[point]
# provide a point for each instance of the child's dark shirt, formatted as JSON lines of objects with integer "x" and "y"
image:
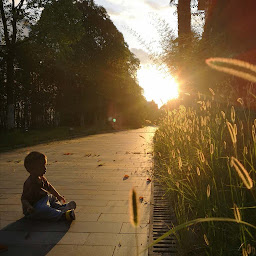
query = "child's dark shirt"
{"x": 34, "y": 189}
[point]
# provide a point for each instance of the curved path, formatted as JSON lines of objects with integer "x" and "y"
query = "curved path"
{"x": 89, "y": 170}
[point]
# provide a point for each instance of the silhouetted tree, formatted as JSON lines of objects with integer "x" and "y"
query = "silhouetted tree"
{"x": 14, "y": 19}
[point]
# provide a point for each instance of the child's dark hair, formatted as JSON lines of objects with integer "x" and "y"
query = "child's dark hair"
{"x": 32, "y": 158}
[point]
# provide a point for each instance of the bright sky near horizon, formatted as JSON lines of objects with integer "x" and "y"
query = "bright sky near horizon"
{"x": 140, "y": 17}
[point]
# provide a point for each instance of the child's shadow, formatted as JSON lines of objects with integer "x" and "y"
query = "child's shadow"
{"x": 32, "y": 237}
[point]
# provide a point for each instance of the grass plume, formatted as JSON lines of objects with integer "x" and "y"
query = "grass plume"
{"x": 134, "y": 209}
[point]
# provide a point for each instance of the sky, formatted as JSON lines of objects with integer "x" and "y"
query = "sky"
{"x": 139, "y": 16}
{"x": 137, "y": 20}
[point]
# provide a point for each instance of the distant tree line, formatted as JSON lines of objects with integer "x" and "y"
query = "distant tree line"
{"x": 72, "y": 68}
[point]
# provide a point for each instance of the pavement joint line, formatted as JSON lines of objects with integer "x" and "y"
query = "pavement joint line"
{"x": 121, "y": 228}
{"x": 99, "y": 216}
{"x": 114, "y": 251}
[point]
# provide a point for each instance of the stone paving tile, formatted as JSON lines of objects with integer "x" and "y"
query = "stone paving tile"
{"x": 10, "y": 191}
{"x": 92, "y": 202}
{"x": 97, "y": 227}
{"x": 10, "y": 202}
{"x": 100, "y": 209}
{"x": 39, "y": 238}
{"x": 144, "y": 209}
{"x": 101, "y": 192}
{"x": 126, "y": 187}
{"x": 36, "y": 226}
{"x": 10, "y": 208}
{"x": 119, "y": 183}
{"x": 25, "y": 250}
{"x": 74, "y": 238}
{"x": 73, "y": 250}
{"x": 127, "y": 228}
{"x": 123, "y": 203}
{"x": 12, "y": 216}
{"x": 111, "y": 217}
{"x": 10, "y": 196}
{"x": 4, "y": 223}
{"x": 28, "y": 238}
{"x": 112, "y": 197}
{"x": 117, "y": 239}
{"x": 87, "y": 216}
{"x": 114, "y": 217}
{"x": 130, "y": 251}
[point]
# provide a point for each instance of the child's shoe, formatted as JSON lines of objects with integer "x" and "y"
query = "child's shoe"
{"x": 70, "y": 215}
{"x": 69, "y": 206}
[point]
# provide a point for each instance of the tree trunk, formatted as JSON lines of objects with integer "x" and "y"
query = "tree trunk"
{"x": 184, "y": 41}
{"x": 184, "y": 23}
{"x": 10, "y": 90}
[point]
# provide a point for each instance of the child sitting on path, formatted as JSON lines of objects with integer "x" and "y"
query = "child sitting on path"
{"x": 40, "y": 200}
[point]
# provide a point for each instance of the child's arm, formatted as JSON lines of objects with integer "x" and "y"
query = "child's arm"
{"x": 53, "y": 191}
{"x": 27, "y": 205}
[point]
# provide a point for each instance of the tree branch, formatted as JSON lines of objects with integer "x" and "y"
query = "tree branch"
{"x": 6, "y": 34}
{"x": 19, "y": 5}
{"x": 14, "y": 22}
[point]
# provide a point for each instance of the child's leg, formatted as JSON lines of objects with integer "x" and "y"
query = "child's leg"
{"x": 55, "y": 203}
{"x": 44, "y": 211}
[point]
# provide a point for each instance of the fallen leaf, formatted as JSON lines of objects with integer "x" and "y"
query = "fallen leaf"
{"x": 67, "y": 154}
{"x": 100, "y": 165}
{"x": 125, "y": 177}
{"x": 3, "y": 248}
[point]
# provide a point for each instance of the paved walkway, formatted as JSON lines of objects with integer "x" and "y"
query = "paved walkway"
{"x": 90, "y": 171}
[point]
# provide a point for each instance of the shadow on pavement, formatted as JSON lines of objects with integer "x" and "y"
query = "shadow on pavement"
{"x": 32, "y": 237}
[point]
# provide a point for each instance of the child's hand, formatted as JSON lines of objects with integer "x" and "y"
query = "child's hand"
{"x": 61, "y": 199}
{"x": 30, "y": 209}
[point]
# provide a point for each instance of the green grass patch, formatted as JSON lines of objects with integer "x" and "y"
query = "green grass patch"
{"x": 21, "y": 138}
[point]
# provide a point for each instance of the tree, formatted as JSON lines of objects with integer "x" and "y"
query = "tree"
{"x": 184, "y": 24}
{"x": 74, "y": 64}
{"x": 14, "y": 17}
{"x": 229, "y": 32}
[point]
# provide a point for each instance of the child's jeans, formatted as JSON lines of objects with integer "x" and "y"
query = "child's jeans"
{"x": 47, "y": 208}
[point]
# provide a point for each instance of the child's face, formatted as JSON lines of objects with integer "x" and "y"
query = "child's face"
{"x": 39, "y": 168}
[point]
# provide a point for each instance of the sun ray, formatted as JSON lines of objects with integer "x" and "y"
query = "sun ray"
{"x": 158, "y": 85}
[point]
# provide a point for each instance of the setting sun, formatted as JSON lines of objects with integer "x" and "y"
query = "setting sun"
{"x": 158, "y": 85}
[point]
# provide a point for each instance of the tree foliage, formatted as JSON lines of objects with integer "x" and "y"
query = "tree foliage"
{"x": 73, "y": 65}
{"x": 228, "y": 31}
{"x": 15, "y": 18}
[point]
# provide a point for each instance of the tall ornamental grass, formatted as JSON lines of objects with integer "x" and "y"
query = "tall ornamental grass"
{"x": 205, "y": 157}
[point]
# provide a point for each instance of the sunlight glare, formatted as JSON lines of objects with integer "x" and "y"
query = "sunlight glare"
{"x": 158, "y": 85}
